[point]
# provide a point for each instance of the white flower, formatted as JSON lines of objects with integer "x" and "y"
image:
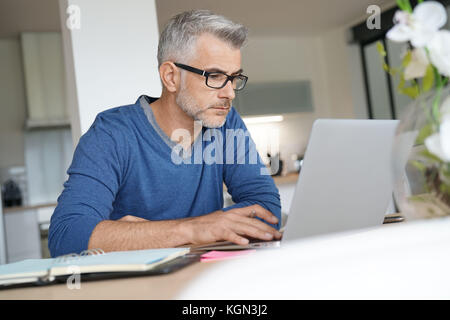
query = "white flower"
{"x": 420, "y": 26}
{"x": 439, "y": 48}
{"x": 439, "y": 143}
{"x": 417, "y": 67}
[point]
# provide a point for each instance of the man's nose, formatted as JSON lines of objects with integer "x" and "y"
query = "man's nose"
{"x": 227, "y": 91}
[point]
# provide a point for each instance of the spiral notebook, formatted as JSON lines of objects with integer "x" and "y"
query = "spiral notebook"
{"x": 44, "y": 271}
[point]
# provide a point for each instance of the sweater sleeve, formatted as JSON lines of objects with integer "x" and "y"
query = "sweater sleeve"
{"x": 245, "y": 175}
{"x": 89, "y": 192}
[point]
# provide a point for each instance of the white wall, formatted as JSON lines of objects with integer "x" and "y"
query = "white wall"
{"x": 335, "y": 50}
{"x": 324, "y": 60}
{"x": 327, "y": 59}
{"x": 267, "y": 59}
{"x": 111, "y": 59}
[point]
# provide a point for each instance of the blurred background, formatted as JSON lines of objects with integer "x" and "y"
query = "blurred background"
{"x": 62, "y": 62}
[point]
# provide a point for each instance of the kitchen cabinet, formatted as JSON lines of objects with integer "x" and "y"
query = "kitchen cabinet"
{"x": 44, "y": 79}
{"x": 26, "y": 229}
{"x": 22, "y": 235}
{"x": 274, "y": 98}
{"x": 48, "y": 140}
{"x": 48, "y": 154}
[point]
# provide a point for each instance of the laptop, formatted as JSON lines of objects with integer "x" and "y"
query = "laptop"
{"x": 345, "y": 182}
{"x": 346, "y": 178}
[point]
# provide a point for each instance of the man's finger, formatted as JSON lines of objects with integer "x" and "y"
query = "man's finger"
{"x": 251, "y": 231}
{"x": 257, "y": 211}
{"x": 235, "y": 238}
{"x": 263, "y": 227}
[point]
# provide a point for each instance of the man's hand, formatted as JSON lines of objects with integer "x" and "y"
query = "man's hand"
{"x": 234, "y": 225}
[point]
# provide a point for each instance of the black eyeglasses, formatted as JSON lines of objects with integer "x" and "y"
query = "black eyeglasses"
{"x": 217, "y": 80}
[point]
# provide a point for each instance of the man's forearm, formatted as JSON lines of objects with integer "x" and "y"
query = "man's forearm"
{"x": 133, "y": 233}
{"x": 125, "y": 235}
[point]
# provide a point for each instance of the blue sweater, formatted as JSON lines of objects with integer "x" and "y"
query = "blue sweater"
{"x": 126, "y": 165}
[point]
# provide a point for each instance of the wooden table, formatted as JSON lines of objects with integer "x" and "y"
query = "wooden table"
{"x": 147, "y": 287}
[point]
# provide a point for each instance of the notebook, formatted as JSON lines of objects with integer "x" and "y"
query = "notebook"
{"x": 43, "y": 271}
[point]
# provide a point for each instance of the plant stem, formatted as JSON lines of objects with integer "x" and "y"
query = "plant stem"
{"x": 435, "y": 109}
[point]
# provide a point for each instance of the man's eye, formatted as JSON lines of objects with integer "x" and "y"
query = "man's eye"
{"x": 216, "y": 76}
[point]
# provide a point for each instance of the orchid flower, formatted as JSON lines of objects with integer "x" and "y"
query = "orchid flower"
{"x": 439, "y": 143}
{"x": 420, "y": 26}
{"x": 439, "y": 48}
{"x": 417, "y": 67}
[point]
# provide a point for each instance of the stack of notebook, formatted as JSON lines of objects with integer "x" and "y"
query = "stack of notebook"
{"x": 91, "y": 264}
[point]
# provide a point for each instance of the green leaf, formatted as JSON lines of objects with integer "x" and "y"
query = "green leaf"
{"x": 408, "y": 6}
{"x": 406, "y": 59}
{"x": 401, "y": 83}
{"x": 393, "y": 71}
{"x": 424, "y": 133}
{"x": 380, "y": 49}
{"x": 412, "y": 92}
{"x": 405, "y": 5}
{"x": 444, "y": 188}
{"x": 429, "y": 155}
{"x": 419, "y": 165}
{"x": 437, "y": 77}
{"x": 417, "y": 199}
{"x": 401, "y": 5}
{"x": 428, "y": 79}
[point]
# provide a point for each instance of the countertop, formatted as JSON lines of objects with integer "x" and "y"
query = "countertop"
{"x": 24, "y": 208}
{"x": 290, "y": 178}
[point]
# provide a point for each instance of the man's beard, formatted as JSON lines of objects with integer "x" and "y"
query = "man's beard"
{"x": 191, "y": 107}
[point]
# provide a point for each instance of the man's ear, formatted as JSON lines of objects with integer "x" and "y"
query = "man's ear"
{"x": 170, "y": 76}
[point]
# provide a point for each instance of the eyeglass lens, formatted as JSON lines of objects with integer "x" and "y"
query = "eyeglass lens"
{"x": 217, "y": 80}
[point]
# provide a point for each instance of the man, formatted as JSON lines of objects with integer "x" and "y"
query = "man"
{"x": 131, "y": 186}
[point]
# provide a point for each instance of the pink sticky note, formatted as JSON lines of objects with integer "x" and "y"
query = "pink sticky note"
{"x": 224, "y": 255}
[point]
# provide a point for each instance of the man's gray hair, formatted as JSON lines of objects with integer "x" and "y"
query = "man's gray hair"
{"x": 180, "y": 34}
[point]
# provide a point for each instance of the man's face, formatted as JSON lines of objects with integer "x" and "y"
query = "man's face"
{"x": 200, "y": 102}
